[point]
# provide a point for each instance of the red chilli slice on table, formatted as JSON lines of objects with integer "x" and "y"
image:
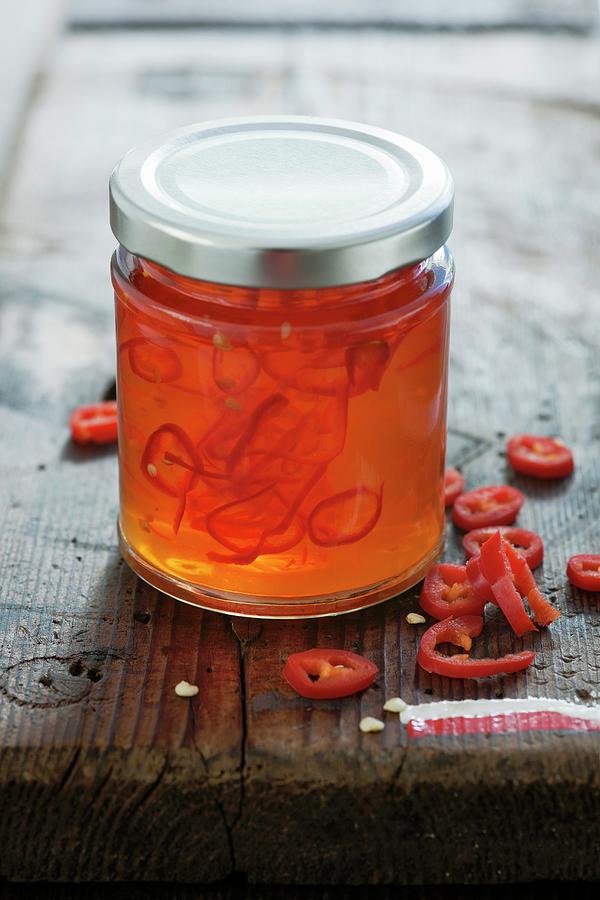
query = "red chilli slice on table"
{"x": 583, "y": 571}
{"x": 447, "y": 592}
{"x": 492, "y": 505}
{"x": 540, "y": 457}
{"x": 460, "y": 632}
{"x": 94, "y": 424}
{"x": 454, "y": 485}
{"x": 528, "y": 544}
{"x": 323, "y": 674}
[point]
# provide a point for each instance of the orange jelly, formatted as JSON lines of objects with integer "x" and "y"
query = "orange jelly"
{"x": 281, "y": 447}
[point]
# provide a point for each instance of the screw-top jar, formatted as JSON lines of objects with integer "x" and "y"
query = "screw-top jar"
{"x": 282, "y": 292}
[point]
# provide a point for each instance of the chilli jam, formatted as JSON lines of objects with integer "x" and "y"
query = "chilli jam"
{"x": 282, "y": 311}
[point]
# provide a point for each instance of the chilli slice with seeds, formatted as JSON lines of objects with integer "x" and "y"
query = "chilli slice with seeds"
{"x": 460, "y": 632}
{"x": 492, "y": 505}
{"x": 447, "y": 592}
{"x": 539, "y": 457}
{"x": 583, "y": 571}
{"x": 169, "y": 446}
{"x": 528, "y": 544}
{"x": 323, "y": 674}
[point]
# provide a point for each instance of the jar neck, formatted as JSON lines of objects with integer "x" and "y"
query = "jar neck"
{"x": 401, "y": 289}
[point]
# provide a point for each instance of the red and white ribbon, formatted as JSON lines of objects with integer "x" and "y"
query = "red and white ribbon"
{"x": 458, "y": 717}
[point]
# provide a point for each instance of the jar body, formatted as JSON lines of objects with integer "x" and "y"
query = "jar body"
{"x": 282, "y": 452}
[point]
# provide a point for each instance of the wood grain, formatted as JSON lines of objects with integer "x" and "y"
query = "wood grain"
{"x": 117, "y": 777}
{"x": 237, "y": 889}
{"x": 568, "y": 14}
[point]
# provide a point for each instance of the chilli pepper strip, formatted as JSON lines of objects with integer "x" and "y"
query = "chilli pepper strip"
{"x": 543, "y": 611}
{"x": 496, "y": 568}
{"x": 268, "y": 541}
{"x": 325, "y": 518}
{"x": 155, "y": 457}
{"x": 480, "y": 585}
{"x": 270, "y": 404}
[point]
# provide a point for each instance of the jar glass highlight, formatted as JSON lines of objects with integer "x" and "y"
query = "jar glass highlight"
{"x": 282, "y": 451}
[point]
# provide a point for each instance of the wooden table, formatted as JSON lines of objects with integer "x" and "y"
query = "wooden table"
{"x": 105, "y": 774}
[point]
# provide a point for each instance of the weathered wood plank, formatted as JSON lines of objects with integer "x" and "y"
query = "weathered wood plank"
{"x": 573, "y": 14}
{"x": 88, "y": 714}
{"x": 27, "y": 31}
{"x": 238, "y": 890}
{"x": 100, "y": 759}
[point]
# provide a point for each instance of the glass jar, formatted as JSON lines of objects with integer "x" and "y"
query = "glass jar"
{"x": 282, "y": 292}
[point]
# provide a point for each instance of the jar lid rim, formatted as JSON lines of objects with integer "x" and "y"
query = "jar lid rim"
{"x": 287, "y": 202}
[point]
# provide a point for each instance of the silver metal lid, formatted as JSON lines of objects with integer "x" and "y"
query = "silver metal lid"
{"x": 281, "y": 201}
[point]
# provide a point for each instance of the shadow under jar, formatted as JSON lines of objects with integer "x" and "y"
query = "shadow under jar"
{"x": 282, "y": 291}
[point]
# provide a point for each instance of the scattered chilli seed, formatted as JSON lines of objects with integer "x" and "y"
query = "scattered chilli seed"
{"x": 415, "y": 619}
{"x": 220, "y": 341}
{"x": 152, "y": 470}
{"x": 185, "y": 689}
{"x": 286, "y": 330}
{"x": 370, "y": 724}
{"x": 232, "y": 403}
{"x": 395, "y": 705}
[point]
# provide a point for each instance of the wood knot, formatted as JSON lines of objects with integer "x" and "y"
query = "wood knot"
{"x": 50, "y": 681}
{"x": 142, "y": 617}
